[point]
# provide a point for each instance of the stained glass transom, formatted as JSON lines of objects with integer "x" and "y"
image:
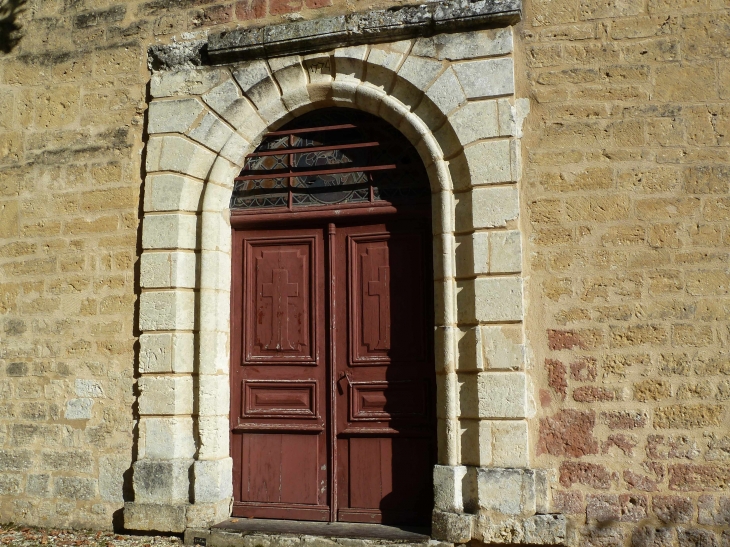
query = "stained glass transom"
{"x": 330, "y": 157}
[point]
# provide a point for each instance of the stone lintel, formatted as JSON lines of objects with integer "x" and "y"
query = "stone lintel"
{"x": 317, "y": 35}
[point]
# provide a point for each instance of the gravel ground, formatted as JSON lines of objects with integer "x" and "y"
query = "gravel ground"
{"x": 21, "y": 536}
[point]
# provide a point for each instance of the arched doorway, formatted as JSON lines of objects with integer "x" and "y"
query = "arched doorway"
{"x": 332, "y": 374}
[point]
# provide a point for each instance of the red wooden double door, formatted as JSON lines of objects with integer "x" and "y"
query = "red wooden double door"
{"x": 332, "y": 415}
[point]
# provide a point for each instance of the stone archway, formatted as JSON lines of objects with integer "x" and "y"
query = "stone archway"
{"x": 451, "y": 95}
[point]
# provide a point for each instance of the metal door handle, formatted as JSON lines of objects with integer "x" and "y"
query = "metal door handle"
{"x": 344, "y": 375}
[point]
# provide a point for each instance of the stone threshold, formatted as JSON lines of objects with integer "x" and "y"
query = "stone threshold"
{"x": 243, "y": 532}
{"x": 317, "y": 35}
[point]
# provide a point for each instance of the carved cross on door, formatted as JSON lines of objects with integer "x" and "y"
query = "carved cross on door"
{"x": 377, "y": 326}
{"x": 279, "y": 290}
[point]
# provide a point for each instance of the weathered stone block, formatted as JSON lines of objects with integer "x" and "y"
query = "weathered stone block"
{"x": 476, "y": 442}
{"x": 167, "y": 310}
{"x": 166, "y": 395}
{"x": 111, "y": 476}
{"x": 169, "y": 192}
{"x": 88, "y": 388}
{"x": 211, "y": 132}
{"x": 506, "y": 252}
{"x": 74, "y": 488}
{"x": 208, "y": 514}
{"x": 486, "y": 207}
{"x": 174, "y": 116}
{"x": 447, "y": 488}
{"x": 510, "y": 444}
{"x": 212, "y": 480}
{"x": 228, "y": 103}
{"x": 213, "y": 437}
{"x": 168, "y": 352}
{"x": 79, "y": 409}
{"x": 486, "y": 78}
{"x": 160, "y": 481}
{"x": 213, "y": 395}
{"x": 166, "y": 438}
{"x": 192, "y": 81}
{"x": 474, "y": 121}
{"x": 168, "y": 270}
{"x": 160, "y": 517}
{"x": 506, "y": 491}
{"x": 453, "y": 527}
{"x": 465, "y": 45}
{"x": 169, "y": 231}
{"x": 173, "y": 153}
{"x": 498, "y": 299}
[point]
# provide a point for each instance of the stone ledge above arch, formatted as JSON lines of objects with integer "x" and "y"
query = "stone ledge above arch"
{"x": 202, "y": 123}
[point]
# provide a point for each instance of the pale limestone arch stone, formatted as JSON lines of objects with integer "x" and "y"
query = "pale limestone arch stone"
{"x": 207, "y": 121}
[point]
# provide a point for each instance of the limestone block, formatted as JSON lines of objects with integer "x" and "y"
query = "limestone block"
{"x": 452, "y": 527}
{"x": 486, "y": 78}
{"x": 501, "y": 395}
{"x": 499, "y": 348}
{"x": 88, "y": 388}
{"x": 216, "y": 233}
{"x": 493, "y": 207}
{"x": 178, "y": 154}
{"x": 236, "y": 149}
{"x": 167, "y": 310}
{"x": 369, "y": 98}
{"x": 475, "y": 120}
{"x": 215, "y": 267}
{"x": 222, "y": 174}
{"x": 506, "y": 252}
{"x": 545, "y": 530}
{"x": 215, "y": 309}
{"x": 443, "y": 250}
{"x": 486, "y": 162}
{"x": 438, "y": 175}
{"x": 420, "y": 71}
{"x": 498, "y": 299}
{"x": 111, "y": 476}
{"x": 344, "y": 92}
{"x": 175, "y": 116}
{"x": 169, "y": 231}
{"x": 166, "y": 438}
{"x": 512, "y": 116}
{"x": 318, "y": 67}
{"x": 166, "y": 352}
{"x": 161, "y": 481}
{"x": 443, "y": 212}
{"x": 258, "y": 85}
{"x": 446, "y": 396}
{"x": 292, "y": 79}
{"x": 212, "y": 480}
{"x": 79, "y": 409}
{"x": 213, "y": 439}
{"x": 510, "y": 446}
{"x": 446, "y": 93}
{"x": 169, "y": 192}
{"x": 476, "y": 442}
{"x": 506, "y": 491}
{"x": 168, "y": 269}
{"x": 447, "y": 481}
{"x": 444, "y": 348}
{"x": 214, "y": 352}
{"x": 211, "y": 132}
{"x": 465, "y": 45}
{"x": 161, "y": 517}
{"x": 213, "y": 395}
{"x": 383, "y": 62}
{"x": 443, "y": 292}
{"x": 227, "y": 102}
{"x": 349, "y": 63}
{"x": 394, "y": 112}
{"x": 166, "y": 395}
{"x": 207, "y": 514}
{"x": 472, "y": 254}
{"x": 190, "y": 81}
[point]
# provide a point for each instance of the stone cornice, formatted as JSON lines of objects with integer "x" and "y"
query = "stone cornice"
{"x": 344, "y": 30}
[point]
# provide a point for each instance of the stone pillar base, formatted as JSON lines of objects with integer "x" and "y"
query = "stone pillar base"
{"x": 175, "y": 518}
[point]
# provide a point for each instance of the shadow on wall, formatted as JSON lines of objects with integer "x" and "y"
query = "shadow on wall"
{"x": 9, "y": 28}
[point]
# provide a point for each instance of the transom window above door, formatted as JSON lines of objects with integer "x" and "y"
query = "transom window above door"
{"x": 331, "y": 157}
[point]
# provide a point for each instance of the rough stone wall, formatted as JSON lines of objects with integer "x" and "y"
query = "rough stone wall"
{"x": 73, "y": 96}
{"x": 625, "y": 190}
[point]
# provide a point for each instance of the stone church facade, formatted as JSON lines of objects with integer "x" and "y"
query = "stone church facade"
{"x": 577, "y": 158}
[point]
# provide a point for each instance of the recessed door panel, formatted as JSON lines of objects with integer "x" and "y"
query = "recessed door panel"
{"x": 280, "y": 273}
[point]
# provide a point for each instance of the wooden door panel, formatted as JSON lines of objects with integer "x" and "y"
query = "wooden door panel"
{"x": 279, "y": 281}
{"x": 387, "y": 317}
{"x": 278, "y": 405}
{"x": 385, "y": 418}
{"x": 281, "y": 468}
